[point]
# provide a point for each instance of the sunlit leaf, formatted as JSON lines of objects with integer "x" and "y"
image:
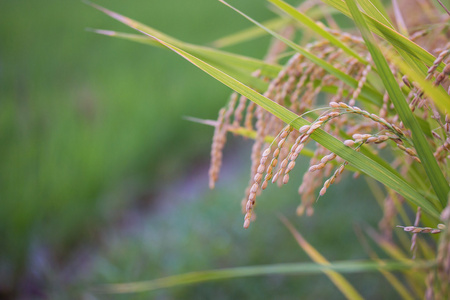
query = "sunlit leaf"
{"x": 311, "y": 24}
{"x": 339, "y": 281}
{"x": 399, "y": 41}
{"x": 358, "y": 160}
{"x": 367, "y": 91}
{"x": 421, "y": 145}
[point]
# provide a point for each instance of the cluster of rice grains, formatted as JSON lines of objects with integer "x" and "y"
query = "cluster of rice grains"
{"x": 301, "y": 86}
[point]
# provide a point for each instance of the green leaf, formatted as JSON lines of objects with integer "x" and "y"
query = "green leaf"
{"x": 373, "y": 11}
{"x": 274, "y": 24}
{"x": 282, "y": 269}
{"x": 367, "y": 91}
{"x": 311, "y": 24}
{"x": 399, "y": 41}
{"x": 238, "y": 66}
{"x": 211, "y": 55}
{"x": 421, "y": 145}
{"x": 138, "y": 38}
{"x": 437, "y": 94}
{"x": 381, "y": 8}
{"x": 339, "y": 281}
{"x": 358, "y": 160}
{"x": 250, "y": 33}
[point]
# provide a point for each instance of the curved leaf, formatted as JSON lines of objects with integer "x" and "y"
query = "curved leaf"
{"x": 339, "y": 281}
{"x": 421, "y": 145}
{"x": 211, "y": 55}
{"x": 366, "y": 91}
{"x": 310, "y": 23}
{"x": 399, "y": 41}
{"x": 358, "y": 160}
{"x": 282, "y": 269}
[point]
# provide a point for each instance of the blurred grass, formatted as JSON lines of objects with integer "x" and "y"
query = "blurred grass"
{"x": 203, "y": 230}
{"x": 87, "y": 123}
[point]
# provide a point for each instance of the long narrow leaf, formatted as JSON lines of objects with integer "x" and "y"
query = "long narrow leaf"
{"x": 396, "y": 39}
{"x": 358, "y": 160}
{"x": 395, "y": 252}
{"x": 280, "y": 269}
{"x": 437, "y": 94}
{"x": 311, "y": 24}
{"x": 355, "y": 158}
{"x": 367, "y": 91}
{"x": 391, "y": 278}
{"x": 254, "y": 32}
{"x": 371, "y": 10}
{"x": 239, "y": 67}
{"x": 138, "y": 38}
{"x": 339, "y": 281}
{"x": 382, "y": 9}
{"x": 249, "y": 33}
{"x": 421, "y": 145}
{"x": 206, "y": 53}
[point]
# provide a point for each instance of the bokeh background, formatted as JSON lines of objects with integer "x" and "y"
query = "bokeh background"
{"x": 103, "y": 181}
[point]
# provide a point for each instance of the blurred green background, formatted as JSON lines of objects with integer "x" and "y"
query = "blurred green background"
{"x": 102, "y": 181}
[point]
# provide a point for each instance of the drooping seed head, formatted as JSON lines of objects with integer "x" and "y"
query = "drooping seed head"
{"x": 286, "y": 179}
{"x": 284, "y": 164}
{"x": 372, "y": 139}
{"x": 333, "y": 114}
{"x": 246, "y": 223}
{"x": 264, "y": 184}
{"x": 258, "y": 177}
{"x": 382, "y": 138}
{"x": 304, "y": 138}
{"x": 299, "y": 149}
{"x": 263, "y": 160}
{"x": 304, "y": 128}
{"x": 398, "y": 130}
{"x": 315, "y": 126}
{"x": 276, "y": 152}
{"x": 266, "y": 152}
{"x": 293, "y": 156}
{"x": 281, "y": 143}
{"x": 275, "y": 177}
{"x": 251, "y": 196}
{"x": 349, "y": 143}
{"x": 274, "y": 162}
{"x": 254, "y": 188}
{"x": 312, "y": 168}
{"x": 446, "y": 70}
{"x": 334, "y": 104}
{"x": 324, "y": 118}
{"x": 260, "y": 169}
{"x": 300, "y": 210}
{"x": 290, "y": 166}
{"x": 332, "y": 179}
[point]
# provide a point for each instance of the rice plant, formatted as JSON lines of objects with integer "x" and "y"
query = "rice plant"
{"x": 371, "y": 100}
